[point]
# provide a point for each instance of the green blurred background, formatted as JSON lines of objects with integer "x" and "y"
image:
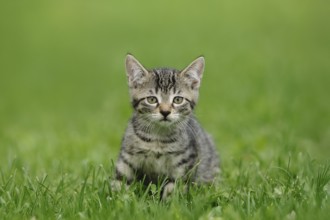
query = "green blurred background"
{"x": 63, "y": 91}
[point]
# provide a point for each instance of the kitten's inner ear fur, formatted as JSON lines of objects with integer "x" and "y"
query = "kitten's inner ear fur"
{"x": 136, "y": 73}
{"x": 194, "y": 73}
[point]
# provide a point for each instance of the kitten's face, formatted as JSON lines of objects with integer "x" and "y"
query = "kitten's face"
{"x": 164, "y": 96}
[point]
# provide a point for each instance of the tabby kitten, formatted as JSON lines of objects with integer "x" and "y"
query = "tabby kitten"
{"x": 163, "y": 138}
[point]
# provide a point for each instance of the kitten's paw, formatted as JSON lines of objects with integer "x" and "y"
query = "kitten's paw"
{"x": 168, "y": 189}
{"x": 117, "y": 185}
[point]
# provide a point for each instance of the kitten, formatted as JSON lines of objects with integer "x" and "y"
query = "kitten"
{"x": 163, "y": 138}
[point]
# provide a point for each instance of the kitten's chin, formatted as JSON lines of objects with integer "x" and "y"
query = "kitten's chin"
{"x": 165, "y": 122}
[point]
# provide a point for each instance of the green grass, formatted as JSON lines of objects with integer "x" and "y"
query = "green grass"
{"x": 64, "y": 106}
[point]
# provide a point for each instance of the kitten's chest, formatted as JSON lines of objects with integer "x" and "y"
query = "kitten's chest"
{"x": 157, "y": 158}
{"x": 157, "y": 163}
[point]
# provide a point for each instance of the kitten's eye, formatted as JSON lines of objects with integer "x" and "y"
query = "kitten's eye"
{"x": 152, "y": 100}
{"x": 178, "y": 100}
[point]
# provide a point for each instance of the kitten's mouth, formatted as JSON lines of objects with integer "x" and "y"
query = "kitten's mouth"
{"x": 165, "y": 121}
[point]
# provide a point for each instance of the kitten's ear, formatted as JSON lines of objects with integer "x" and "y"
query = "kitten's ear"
{"x": 135, "y": 72}
{"x": 194, "y": 72}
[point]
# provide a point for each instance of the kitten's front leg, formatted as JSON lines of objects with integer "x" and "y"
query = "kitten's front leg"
{"x": 168, "y": 189}
{"x": 178, "y": 174}
{"x": 124, "y": 175}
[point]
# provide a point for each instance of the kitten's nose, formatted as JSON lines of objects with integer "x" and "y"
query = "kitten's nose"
{"x": 165, "y": 113}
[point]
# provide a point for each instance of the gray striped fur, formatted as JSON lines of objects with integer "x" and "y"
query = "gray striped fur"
{"x": 163, "y": 139}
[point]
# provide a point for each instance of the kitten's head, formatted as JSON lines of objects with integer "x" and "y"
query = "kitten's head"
{"x": 164, "y": 96}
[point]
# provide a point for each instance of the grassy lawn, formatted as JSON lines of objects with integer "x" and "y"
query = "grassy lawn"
{"x": 64, "y": 106}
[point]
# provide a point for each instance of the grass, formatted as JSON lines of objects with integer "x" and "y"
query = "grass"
{"x": 64, "y": 106}
{"x": 249, "y": 191}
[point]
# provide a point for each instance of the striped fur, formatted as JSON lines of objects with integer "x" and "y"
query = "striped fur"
{"x": 163, "y": 139}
